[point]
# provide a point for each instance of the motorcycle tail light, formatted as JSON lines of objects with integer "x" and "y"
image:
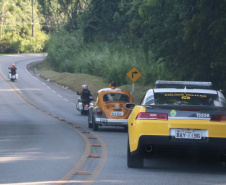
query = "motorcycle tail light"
{"x": 87, "y": 105}
{"x": 218, "y": 118}
{"x": 152, "y": 116}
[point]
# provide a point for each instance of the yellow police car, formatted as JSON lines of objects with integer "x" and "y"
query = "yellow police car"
{"x": 177, "y": 116}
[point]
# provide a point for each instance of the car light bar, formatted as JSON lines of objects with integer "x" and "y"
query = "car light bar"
{"x": 183, "y": 84}
{"x": 151, "y": 115}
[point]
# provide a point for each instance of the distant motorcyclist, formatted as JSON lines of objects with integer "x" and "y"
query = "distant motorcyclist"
{"x": 85, "y": 94}
{"x": 13, "y": 69}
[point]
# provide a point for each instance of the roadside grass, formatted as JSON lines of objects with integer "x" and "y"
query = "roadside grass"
{"x": 74, "y": 82}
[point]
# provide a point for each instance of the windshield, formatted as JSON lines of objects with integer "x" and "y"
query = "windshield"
{"x": 186, "y": 99}
{"x": 116, "y": 97}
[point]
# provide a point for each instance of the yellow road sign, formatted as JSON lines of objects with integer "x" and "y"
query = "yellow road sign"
{"x": 134, "y": 74}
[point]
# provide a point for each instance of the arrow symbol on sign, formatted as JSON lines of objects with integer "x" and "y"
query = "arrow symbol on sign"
{"x": 134, "y": 73}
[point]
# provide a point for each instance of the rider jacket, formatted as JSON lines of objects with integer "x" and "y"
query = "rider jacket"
{"x": 13, "y": 70}
{"x": 85, "y": 96}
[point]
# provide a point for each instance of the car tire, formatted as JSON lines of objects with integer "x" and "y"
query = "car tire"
{"x": 90, "y": 125}
{"x": 134, "y": 161}
{"x": 95, "y": 126}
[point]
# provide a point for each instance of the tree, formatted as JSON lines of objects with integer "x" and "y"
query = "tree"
{"x": 61, "y": 13}
{"x": 205, "y": 43}
{"x": 16, "y": 28}
{"x": 98, "y": 23}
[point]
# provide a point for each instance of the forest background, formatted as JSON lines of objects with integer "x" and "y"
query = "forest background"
{"x": 165, "y": 40}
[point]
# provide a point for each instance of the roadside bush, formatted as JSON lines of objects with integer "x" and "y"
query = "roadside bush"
{"x": 68, "y": 53}
{"x": 3, "y": 46}
{"x": 13, "y": 43}
{"x": 61, "y": 47}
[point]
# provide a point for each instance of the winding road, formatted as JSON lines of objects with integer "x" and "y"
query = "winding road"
{"x": 45, "y": 140}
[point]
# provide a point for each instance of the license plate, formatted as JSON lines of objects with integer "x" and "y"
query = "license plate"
{"x": 103, "y": 120}
{"x": 188, "y": 133}
{"x": 117, "y": 113}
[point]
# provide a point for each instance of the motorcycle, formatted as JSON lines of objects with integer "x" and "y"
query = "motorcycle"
{"x": 83, "y": 107}
{"x": 13, "y": 77}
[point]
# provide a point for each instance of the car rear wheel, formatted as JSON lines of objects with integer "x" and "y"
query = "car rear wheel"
{"x": 90, "y": 125}
{"x": 134, "y": 161}
{"x": 95, "y": 126}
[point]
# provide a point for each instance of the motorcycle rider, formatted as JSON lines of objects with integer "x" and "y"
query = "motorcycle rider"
{"x": 13, "y": 69}
{"x": 85, "y": 94}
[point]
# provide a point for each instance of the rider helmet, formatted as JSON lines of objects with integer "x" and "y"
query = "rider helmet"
{"x": 84, "y": 86}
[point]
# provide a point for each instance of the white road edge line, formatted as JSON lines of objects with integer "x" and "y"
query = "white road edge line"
{"x": 38, "y": 79}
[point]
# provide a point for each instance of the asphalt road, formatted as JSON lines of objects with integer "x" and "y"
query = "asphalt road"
{"x": 45, "y": 140}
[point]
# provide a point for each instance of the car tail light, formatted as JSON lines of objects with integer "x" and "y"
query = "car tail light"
{"x": 152, "y": 115}
{"x": 99, "y": 112}
{"x": 218, "y": 118}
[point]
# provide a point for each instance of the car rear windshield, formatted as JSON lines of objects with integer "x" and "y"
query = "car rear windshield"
{"x": 116, "y": 97}
{"x": 186, "y": 99}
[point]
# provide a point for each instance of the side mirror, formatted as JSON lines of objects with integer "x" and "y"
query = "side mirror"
{"x": 130, "y": 106}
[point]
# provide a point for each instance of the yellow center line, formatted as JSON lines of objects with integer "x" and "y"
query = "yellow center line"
{"x": 86, "y": 153}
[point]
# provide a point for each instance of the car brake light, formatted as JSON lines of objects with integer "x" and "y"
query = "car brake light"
{"x": 218, "y": 118}
{"x": 99, "y": 112}
{"x": 151, "y": 115}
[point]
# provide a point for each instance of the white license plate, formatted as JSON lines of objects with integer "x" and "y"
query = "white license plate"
{"x": 117, "y": 113}
{"x": 103, "y": 120}
{"x": 188, "y": 133}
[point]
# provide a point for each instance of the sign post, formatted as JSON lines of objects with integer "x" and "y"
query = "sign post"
{"x": 133, "y": 74}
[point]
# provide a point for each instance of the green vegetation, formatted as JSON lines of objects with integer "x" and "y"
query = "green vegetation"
{"x": 171, "y": 40}
{"x": 68, "y": 53}
{"x": 16, "y": 28}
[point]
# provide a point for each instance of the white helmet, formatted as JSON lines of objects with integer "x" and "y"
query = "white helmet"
{"x": 84, "y": 86}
